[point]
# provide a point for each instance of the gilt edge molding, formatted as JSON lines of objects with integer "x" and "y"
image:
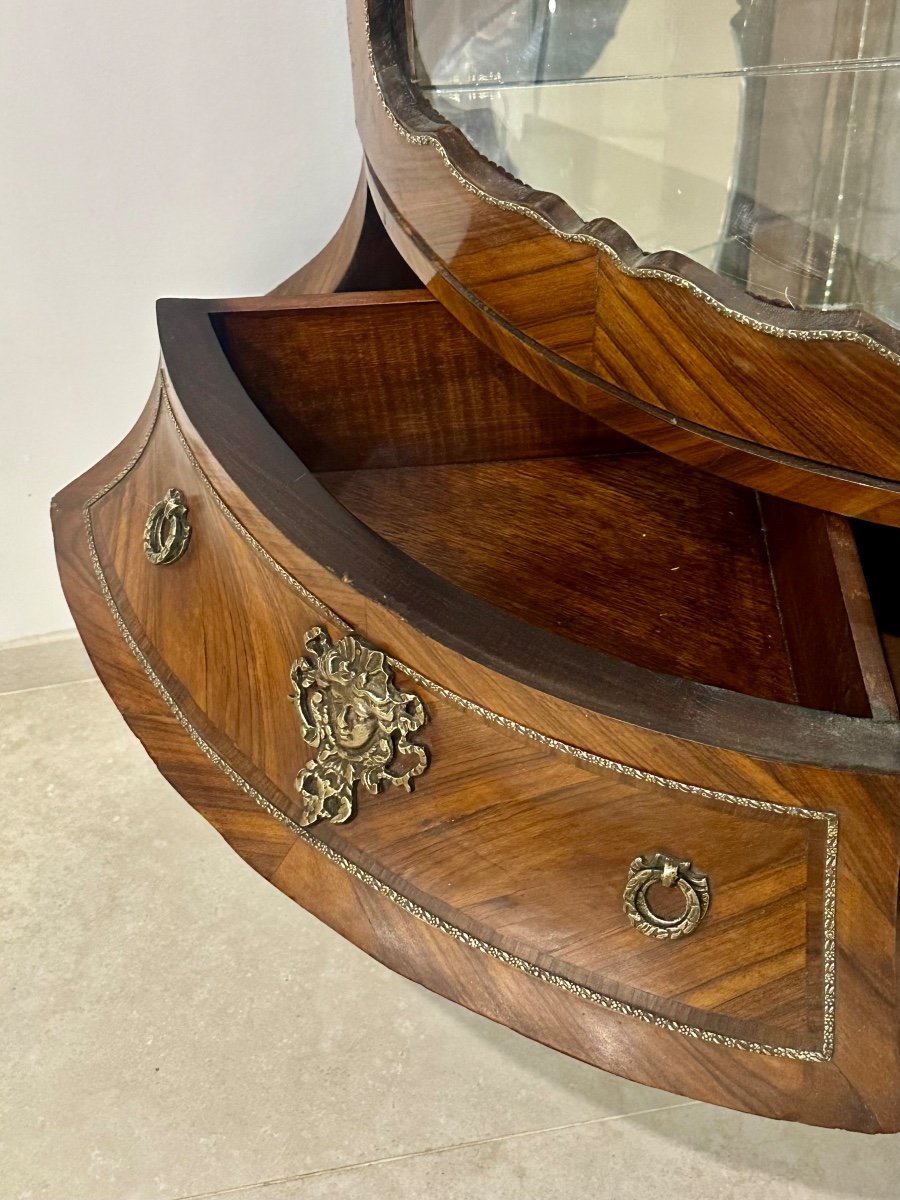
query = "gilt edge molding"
{"x": 823, "y": 1054}
{"x": 552, "y": 201}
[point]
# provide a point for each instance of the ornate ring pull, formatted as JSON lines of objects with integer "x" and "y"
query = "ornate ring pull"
{"x": 643, "y": 874}
{"x": 167, "y": 533}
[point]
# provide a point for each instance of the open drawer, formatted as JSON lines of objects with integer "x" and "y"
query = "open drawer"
{"x": 589, "y": 742}
{"x": 499, "y": 488}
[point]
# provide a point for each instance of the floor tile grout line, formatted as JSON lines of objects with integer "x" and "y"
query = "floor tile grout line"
{"x": 434, "y": 1150}
{"x": 40, "y": 639}
{"x": 44, "y": 687}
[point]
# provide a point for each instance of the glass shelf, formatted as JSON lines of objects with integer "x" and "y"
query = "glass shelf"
{"x": 761, "y": 139}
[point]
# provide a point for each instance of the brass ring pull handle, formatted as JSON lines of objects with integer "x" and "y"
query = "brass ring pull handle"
{"x": 643, "y": 874}
{"x": 167, "y": 532}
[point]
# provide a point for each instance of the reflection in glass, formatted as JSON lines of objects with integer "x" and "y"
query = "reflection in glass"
{"x": 759, "y": 138}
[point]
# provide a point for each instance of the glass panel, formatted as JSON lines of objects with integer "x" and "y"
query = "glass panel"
{"x": 761, "y": 138}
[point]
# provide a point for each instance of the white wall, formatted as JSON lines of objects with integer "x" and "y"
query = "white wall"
{"x": 147, "y": 148}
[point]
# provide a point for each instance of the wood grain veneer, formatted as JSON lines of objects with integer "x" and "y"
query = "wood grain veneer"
{"x": 654, "y": 345}
{"x": 631, "y": 555}
{"x": 395, "y": 381}
{"x": 524, "y": 817}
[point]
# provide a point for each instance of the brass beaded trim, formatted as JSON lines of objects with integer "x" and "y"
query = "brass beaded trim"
{"x": 403, "y": 902}
{"x": 800, "y": 335}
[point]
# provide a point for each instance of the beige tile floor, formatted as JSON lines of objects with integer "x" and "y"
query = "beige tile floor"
{"x": 174, "y": 1028}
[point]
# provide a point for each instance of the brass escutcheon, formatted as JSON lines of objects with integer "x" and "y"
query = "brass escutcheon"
{"x": 359, "y": 722}
{"x": 669, "y": 872}
{"x": 167, "y": 532}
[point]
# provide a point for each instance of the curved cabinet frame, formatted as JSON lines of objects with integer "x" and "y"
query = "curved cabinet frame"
{"x": 655, "y": 345}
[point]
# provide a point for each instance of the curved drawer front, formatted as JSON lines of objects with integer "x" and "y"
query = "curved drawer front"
{"x": 707, "y": 913}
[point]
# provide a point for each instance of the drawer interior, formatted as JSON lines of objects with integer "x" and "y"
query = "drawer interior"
{"x": 445, "y": 450}
{"x": 879, "y": 550}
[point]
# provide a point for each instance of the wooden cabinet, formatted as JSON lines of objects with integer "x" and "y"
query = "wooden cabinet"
{"x": 518, "y": 629}
{"x": 618, "y": 664}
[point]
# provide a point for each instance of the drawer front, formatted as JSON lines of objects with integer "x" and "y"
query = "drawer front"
{"x": 709, "y": 913}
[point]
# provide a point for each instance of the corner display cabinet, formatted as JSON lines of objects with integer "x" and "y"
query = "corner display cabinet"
{"x": 516, "y": 587}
